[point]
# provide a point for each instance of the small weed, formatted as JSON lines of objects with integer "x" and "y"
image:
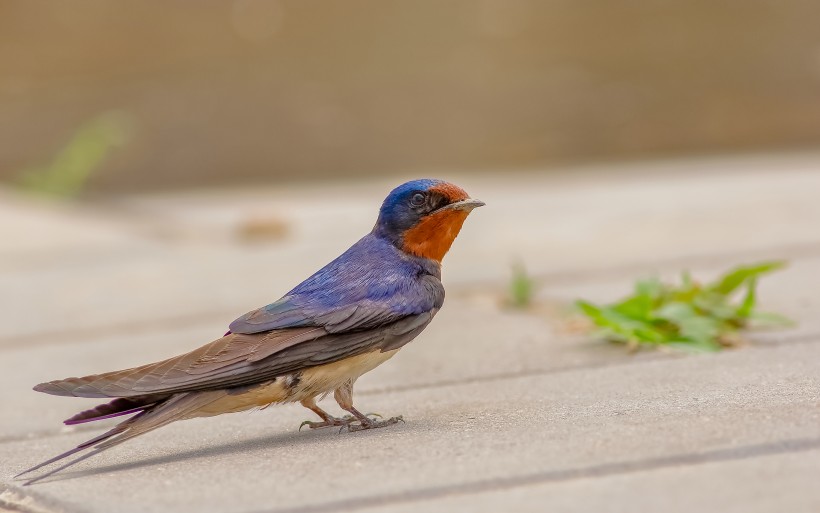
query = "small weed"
{"x": 80, "y": 159}
{"x": 522, "y": 287}
{"x": 688, "y": 316}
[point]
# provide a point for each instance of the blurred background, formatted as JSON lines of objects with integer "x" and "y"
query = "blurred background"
{"x": 161, "y": 95}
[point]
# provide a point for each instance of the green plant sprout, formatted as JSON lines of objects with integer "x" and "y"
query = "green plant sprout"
{"x": 688, "y": 316}
{"x": 522, "y": 287}
{"x": 76, "y": 162}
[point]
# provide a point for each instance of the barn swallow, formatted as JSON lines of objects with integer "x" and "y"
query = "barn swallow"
{"x": 343, "y": 321}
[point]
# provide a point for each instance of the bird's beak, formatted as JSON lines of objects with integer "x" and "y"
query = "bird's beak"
{"x": 466, "y": 205}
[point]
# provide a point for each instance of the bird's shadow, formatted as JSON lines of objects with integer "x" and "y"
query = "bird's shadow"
{"x": 238, "y": 447}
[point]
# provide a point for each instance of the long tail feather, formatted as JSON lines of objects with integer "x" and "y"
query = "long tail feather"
{"x": 119, "y": 428}
{"x": 175, "y": 408}
{"x": 117, "y": 407}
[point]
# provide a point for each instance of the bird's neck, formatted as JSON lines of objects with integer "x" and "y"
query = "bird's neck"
{"x": 432, "y": 237}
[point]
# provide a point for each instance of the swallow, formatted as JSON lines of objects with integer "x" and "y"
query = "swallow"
{"x": 348, "y": 318}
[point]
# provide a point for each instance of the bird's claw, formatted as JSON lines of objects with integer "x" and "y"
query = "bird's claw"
{"x": 373, "y": 424}
{"x": 334, "y": 421}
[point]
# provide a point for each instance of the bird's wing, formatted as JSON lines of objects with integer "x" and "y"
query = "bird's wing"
{"x": 286, "y": 313}
{"x": 241, "y": 359}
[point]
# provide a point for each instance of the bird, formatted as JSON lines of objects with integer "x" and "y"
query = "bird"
{"x": 346, "y": 319}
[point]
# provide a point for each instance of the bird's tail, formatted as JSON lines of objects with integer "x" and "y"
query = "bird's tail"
{"x": 115, "y": 408}
{"x": 176, "y": 407}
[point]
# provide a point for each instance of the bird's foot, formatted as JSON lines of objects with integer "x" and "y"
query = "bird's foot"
{"x": 331, "y": 422}
{"x": 369, "y": 423}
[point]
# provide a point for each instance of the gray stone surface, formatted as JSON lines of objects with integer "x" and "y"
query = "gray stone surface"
{"x": 505, "y": 410}
{"x": 729, "y": 406}
{"x": 781, "y": 482}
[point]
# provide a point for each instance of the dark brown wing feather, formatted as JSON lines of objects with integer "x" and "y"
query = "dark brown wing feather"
{"x": 238, "y": 360}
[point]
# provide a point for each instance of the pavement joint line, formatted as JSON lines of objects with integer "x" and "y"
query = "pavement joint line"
{"x": 559, "y": 476}
{"x": 803, "y": 338}
{"x": 811, "y": 250}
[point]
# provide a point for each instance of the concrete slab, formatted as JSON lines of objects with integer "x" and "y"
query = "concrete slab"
{"x": 729, "y": 406}
{"x": 761, "y": 485}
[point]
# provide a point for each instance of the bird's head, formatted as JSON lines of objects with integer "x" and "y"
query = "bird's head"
{"x": 423, "y": 217}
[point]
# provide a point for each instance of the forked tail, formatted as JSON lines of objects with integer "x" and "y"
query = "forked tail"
{"x": 149, "y": 417}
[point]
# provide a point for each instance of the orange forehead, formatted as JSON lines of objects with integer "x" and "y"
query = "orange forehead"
{"x": 450, "y": 191}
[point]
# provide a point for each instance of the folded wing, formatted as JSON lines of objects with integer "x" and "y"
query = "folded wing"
{"x": 240, "y": 359}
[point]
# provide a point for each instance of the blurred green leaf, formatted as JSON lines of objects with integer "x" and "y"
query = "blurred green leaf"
{"x": 522, "y": 287}
{"x": 749, "y": 300}
{"x": 638, "y": 307}
{"x": 74, "y": 165}
{"x": 715, "y": 305}
{"x": 675, "y": 312}
{"x": 700, "y": 330}
{"x": 729, "y": 282}
{"x": 651, "y": 288}
{"x": 686, "y": 316}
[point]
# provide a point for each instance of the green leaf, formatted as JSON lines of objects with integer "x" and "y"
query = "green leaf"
{"x": 688, "y": 290}
{"x": 650, "y": 287}
{"x": 749, "y": 300}
{"x": 675, "y": 312}
{"x": 82, "y": 157}
{"x": 714, "y": 305}
{"x": 621, "y": 326}
{"x": 639, "y": 307}
{"x": 700, "y": 329}
{"x": 688, "y": 317}
{"x": 729, "y": 282}
{"x": 522, "y": 287}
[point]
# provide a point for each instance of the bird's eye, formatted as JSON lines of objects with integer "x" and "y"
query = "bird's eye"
{"x": 417, "y": 199}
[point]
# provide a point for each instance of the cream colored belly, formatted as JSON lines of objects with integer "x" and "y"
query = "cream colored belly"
{"x": 310, "y": 382}
{"x": 327, "y": 378}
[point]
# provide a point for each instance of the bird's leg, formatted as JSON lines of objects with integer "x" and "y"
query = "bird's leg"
{"x": 328, "y": 420}
{"x": 344, "y": 396}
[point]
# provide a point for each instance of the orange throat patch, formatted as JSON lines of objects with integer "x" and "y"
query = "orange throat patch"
{"x": 433, "y": 235}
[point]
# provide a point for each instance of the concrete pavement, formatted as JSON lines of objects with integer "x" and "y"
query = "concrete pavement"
{"x": 505, "y": 410}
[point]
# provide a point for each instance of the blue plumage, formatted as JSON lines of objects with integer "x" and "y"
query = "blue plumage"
{"x": 395, "y": 216}
{"x": 373, "y": 277}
